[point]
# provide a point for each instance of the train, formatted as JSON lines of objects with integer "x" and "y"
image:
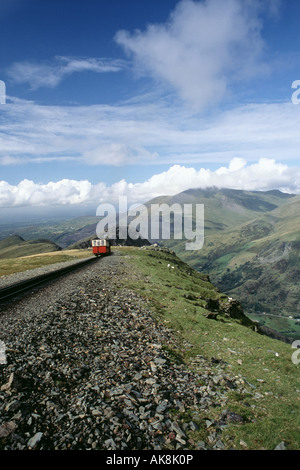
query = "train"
{"x": 101, "y": 247}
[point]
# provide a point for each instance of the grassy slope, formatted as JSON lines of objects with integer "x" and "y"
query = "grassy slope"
{"x": 254, "y": 252}
{"x": 271, "y": 413}
{"x": 10, "y": 241}
{"x": 24, "y": 263}
{"x": 15, "y": 247}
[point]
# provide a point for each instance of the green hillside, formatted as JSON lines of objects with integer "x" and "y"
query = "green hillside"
{"x": 11, "y": 241}
{"x": 251, "y": 251}
{"x": 15, "y": 247}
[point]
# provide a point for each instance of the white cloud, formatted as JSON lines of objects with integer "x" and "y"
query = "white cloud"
{"x": 265, "y": 174}
{"x": 28, "y": 193}
{"x": 145, "y": 133}
{"x": 116, "y": 154}
{"x": 7, "y": 160}
{"x": 202, "y": 49}
{"x": 52, "y": 73}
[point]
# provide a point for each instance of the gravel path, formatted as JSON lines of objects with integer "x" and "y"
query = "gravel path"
{"x": 88, "y": 368}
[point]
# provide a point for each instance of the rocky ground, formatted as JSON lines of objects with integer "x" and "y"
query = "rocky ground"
{"x": 88, "y": 367}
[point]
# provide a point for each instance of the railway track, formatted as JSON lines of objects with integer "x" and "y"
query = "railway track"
{"x": 14, "y": 291}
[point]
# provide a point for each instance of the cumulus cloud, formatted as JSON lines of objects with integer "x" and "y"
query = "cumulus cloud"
{"x": 202, "y": 49}
{"x": 265, "y": 174}
{"x": 28, "y": 193}
{"x": 50, "y": 74}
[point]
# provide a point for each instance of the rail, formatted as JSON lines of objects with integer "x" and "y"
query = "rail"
{"x": 14, "y": 290}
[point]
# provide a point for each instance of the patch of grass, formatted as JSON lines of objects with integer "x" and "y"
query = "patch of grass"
{"x": 174, "y": 355}
{"x": 16, "y": 265}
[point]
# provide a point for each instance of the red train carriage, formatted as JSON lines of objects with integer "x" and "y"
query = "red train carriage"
{"x": 101, "y": 247}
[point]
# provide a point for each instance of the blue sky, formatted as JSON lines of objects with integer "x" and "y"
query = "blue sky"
{"x": 146, "y": 97}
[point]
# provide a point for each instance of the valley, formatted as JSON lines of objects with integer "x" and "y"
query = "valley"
{"x": 250, "y": 251}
